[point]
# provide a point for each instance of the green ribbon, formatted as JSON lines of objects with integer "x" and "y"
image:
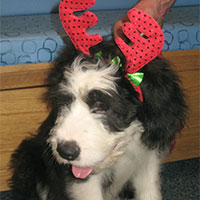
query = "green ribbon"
{"x": 99, "y": 54}
{"x": 136, "y": 78}
{"x": 116, "y": 59}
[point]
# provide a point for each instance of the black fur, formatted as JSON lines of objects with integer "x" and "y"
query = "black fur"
{"x": 162, "y": 114}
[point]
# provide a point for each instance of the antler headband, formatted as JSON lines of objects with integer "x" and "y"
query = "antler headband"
{"x": 142, "y": 50}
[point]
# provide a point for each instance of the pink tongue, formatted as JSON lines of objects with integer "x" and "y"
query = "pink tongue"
{"x": 80, "y": 172}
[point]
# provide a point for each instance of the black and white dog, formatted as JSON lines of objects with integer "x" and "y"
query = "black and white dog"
{"x": 99, "y": 138}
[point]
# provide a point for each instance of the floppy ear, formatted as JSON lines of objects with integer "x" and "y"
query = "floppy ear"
{"x": 164, "y": 108}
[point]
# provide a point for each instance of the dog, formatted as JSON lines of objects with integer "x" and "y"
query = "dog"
{"x": 100, "y": 142}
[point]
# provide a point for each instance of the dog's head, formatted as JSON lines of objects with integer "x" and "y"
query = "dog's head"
{"x": 98, "y": 111}
{"x": 96, "y": 115}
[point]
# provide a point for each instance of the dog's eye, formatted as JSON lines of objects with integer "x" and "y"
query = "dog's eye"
{"x": 98, "y": 108}
{"x": 97, "y": 102}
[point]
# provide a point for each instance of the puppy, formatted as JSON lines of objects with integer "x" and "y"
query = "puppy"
{"x": 99, "y": 138}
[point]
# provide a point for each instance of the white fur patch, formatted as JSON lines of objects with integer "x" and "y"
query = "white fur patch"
{"x": 84, "y": 76}
{"x": 89, "y": 190}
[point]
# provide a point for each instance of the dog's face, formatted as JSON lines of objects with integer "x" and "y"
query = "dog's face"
{"x": 97, "y": 110}
{"x": 95, "y": 115}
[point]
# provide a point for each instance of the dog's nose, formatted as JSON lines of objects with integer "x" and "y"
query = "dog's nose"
{"x": 68, "y": 150}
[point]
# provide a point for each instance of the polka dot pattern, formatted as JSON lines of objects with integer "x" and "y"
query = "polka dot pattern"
{"x": 76, "y": 26}
{"x": 147, "y": 40}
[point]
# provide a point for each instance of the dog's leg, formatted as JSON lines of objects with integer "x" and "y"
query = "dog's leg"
{"x": 146, "y": 178}
{"x": 88, "y": 190}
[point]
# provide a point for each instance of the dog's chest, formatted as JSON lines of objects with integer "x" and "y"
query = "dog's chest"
{"x": 124, "y": 167}
{"x": 123, "y": 171}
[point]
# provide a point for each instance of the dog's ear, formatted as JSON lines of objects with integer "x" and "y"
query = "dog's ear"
{"x": 164, "y": 108}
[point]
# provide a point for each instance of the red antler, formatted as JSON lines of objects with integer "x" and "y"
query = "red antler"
{"x": 147, "y": 38}
{"x": 76, "y": 26}
{"x": 146, "y": 46}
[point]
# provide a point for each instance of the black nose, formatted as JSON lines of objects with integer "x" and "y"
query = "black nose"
{"x": 68, "y": 150}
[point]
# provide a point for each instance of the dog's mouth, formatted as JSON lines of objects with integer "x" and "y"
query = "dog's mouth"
{"x": 84, "y": 172}
{"x": 81, "y": 172}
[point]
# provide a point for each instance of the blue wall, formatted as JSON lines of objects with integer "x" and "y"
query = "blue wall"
{"x": 24, "y": 7}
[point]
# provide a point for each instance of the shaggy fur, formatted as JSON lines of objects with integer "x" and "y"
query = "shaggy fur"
{"x": 97, "y": 122}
